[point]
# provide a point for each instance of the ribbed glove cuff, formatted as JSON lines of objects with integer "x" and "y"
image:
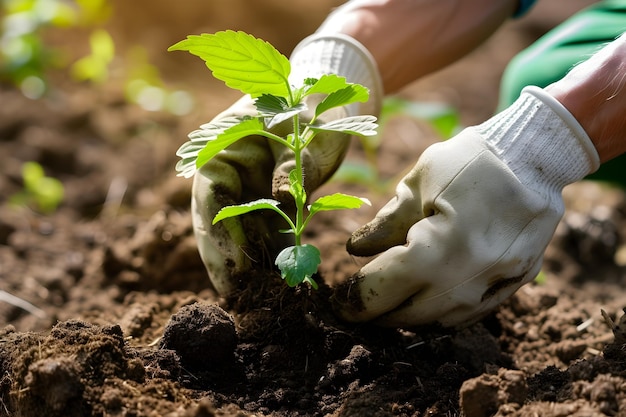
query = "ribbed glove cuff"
{"x": 541, "y": 142}
{"x": 342, "y": 55}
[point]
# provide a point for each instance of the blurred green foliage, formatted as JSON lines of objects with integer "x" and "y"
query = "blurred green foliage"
{"x": 145, "y": 87}
{"x": 95, "y": 66}
{"x": 40, "y": 192}
{"x": 442, "y": 118}
{"x": 26, "y": 57}
{"x": 30, "y": 52}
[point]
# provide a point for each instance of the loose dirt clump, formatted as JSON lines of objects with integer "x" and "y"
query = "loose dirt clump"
{"x": 203, "y": 336}
{"x": 56, "y": 374}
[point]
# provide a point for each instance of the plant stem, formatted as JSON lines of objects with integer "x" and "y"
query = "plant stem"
{"x": 300, "y": 177}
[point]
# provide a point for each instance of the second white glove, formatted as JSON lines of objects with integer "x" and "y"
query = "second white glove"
{"x": 470, "y": 222}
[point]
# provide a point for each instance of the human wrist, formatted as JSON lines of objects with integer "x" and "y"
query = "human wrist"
{"x": 541, "y": 142}
{"x": 593, "y": 92}
{"x": 342, "y": 55}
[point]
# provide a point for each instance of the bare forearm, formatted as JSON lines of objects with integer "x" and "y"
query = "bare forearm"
{"x": 412, "y": 38}
{"x": 594, "y": 93}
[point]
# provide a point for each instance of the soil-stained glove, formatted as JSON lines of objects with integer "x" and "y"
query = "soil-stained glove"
{"x": 253, "y": 168}
{"x": 470, "y": 222}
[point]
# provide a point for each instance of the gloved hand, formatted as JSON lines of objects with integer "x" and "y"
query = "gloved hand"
{"x": 255, "y": 167}
{"x": 469, "y": 224}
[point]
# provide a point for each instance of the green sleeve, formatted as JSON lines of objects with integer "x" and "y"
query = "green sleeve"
{"x": 523, "y": 7}
{"x": 550, "y": 57}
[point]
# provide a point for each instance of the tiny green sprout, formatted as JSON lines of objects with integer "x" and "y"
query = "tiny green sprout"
{"x": 95, "y": 66}
{"x": 43, "y": 192}
{"x": 255, "y": 67}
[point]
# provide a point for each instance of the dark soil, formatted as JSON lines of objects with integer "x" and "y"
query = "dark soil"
{"x": 127, "y": 324}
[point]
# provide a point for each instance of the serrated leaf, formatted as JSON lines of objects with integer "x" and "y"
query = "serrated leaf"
{"x": 348, "y": 95}
{"x": 238, "y": 210}
{"x": 326, "y": 84}
{"x": 355, "y": 125}
{"x": 188, "y": 151}
{"x": 337, "y": 201}
{"x": 268, "y": 104}
{"x": 246, "y": 127}
{"x": 280, "y": 117}
{"x": 243, "y": 62}
{"x": 297, "y": 264}
{"x": 276, "y": 110}
{"x": 308, "y": 82}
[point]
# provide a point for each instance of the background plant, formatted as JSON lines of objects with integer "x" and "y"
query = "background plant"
{"x": 40, "y": 192}
{"x": 27, "y": 56}
{"x": 255, "y": 67}
{"x": 441, "y": 118}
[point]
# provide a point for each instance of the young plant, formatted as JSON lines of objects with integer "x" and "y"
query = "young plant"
{"x": 40, "y": 192}
{"x": 255, "y": 67}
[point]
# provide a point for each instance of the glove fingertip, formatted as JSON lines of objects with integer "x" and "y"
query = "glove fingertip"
{"x": 372, "y": 239}
{"x": 280, "y": 191}
{"x": 359, "y": 244}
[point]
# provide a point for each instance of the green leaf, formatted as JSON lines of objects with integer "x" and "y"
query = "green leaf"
{"x": 247, "y": 127}
{"x": 102, "y": 45}
{"x": 32, "y": 173}
{"x": 188, "y": 152}
{"x": 309, "y": 82}
{"x": 348, "y": 95}
{"x": 326, "y": 84}
{"x": 242, "y": 61}
{"x": 337, "y": 201}
{"x": 47, "y": 192}
{"x": 238, "y": 210}
{"x": 268, "y": 104}
{"x": 295, "y": 187}
{"x": 94, "y": 67}
{"x": 297, "y": 264}
{"x": 355, "y": 125}
{"x": 276, "y": 110}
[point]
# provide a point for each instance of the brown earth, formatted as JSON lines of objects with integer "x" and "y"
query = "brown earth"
{"x": 127, "y": 324}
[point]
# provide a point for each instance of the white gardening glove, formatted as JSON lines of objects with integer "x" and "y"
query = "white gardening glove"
{"x": 255, "y": 168}
{"x": 470, "y": 222}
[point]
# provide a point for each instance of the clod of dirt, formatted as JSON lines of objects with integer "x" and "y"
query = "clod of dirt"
{"x": 57, "y": 380}
{"x": 137, "y": 318}
{"x": 203, "y": 335}
{"x": 591, "y": 237}
{"x": 358, "y": 362}
{"x": 60, "y": 374}
{"x": 485, "y": 395}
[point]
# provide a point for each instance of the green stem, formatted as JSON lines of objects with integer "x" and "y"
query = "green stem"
{"x": 276, "y": 138}
{"x": 300, "y": 177}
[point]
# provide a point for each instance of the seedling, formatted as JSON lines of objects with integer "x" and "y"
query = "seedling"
{"x": 255, "y": 67}
{"x": 40, "y": 191}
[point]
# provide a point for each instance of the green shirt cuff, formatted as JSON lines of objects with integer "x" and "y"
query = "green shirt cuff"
{"x": 523, "y": 7}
